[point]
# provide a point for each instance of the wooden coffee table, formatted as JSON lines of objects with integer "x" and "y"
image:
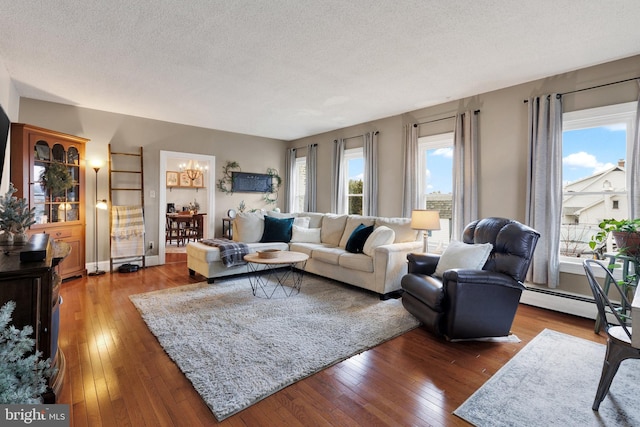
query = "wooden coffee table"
{"x": 284, "y": 272}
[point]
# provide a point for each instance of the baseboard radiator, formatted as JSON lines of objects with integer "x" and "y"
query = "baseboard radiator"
{"x": 577, "y": 305}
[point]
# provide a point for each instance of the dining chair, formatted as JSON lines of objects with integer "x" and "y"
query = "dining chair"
{"x": 618, "y": 331}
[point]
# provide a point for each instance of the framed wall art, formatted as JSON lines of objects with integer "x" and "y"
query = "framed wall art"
{"x": 172, "y": 179}
{"x": 198, "y": 182}
{"x": 185, "y": 181}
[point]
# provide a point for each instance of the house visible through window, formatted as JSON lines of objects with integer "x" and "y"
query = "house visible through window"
{"x": 354, "y": 171}
{"x": 595, "y": 145}
{"x": 435, "y": 183}
{"x": 299, "y": 185}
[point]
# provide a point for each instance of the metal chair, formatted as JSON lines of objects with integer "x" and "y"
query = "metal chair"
{"x": 618, "y": 334}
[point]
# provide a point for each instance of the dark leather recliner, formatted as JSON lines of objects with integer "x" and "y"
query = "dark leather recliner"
{"x": 473, "y": 303}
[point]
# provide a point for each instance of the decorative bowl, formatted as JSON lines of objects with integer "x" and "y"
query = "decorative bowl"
{"x": 269, "y": 253}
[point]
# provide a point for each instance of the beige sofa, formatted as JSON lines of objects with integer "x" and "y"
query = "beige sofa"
{"x": 324, "y": 237}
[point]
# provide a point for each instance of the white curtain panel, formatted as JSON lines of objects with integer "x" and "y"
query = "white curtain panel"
{"x": 465, "y": 172}
{"x": 370, "y": 190}
{"x": 338, "y": 179}
{"x": 544, "y": 186}
{"x": 310, "y": 194}
{"x": 290, "y": 164}
{"x": 410, "y": 199}
{"x": 633, "y": 168}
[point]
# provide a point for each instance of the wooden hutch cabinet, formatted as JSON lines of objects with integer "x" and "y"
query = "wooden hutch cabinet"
{"x": 61, "y": 214}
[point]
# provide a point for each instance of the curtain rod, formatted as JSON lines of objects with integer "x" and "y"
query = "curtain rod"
{"x": 358, "y": 136}
{"x": 592, "y": 87}
{"x": 437, "y": 120}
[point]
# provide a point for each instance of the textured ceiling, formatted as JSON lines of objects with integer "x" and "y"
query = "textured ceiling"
{"x": 287, "y": 69}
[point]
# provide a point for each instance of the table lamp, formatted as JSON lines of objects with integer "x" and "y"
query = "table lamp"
{"x": 426, "y": 221}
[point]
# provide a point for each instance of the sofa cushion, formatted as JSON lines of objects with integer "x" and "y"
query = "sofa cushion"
{"x": 248, "y": 227}
{"x": 355, "y": 244}
{"x": 354, "y": 221}
{"x": 463, "y": 255}
{"x": 277, "y": 229}
{"x": 274, "y": 214}
{"x": 360, "y": 262}
{"x": 315, "y": 218}
{"x": 305, "y": 235}
{"x": 402, "y": 228}
{"x": 300, "y": 220}
{"x": 330, "y": 255}
{"x": 382, "y": 235}
{"x": 305, "y": 248}
{"x": 332, "y": 228}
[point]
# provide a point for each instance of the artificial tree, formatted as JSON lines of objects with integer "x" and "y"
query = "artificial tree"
{"x": 23, "y": 376}
{"x": 15, "y": 215}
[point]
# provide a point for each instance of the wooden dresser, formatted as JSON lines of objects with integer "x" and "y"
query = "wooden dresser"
{"x": 35, "y": 288}
{"x": 61, "y": 214}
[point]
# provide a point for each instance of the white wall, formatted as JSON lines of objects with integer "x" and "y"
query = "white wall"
{"x": 10, "y": 102}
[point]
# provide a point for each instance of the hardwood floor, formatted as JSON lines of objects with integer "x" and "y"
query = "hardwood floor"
{"x": 118, "y": 375}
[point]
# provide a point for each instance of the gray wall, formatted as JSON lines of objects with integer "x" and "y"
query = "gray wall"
{"x": 503, "y": 140}
{"x": 127, "y": 133}
{"x": 503, "y": 143}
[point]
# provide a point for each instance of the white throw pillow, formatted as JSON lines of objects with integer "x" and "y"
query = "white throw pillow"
{"x": 382, "y": 235}
{"x": 463, "y": 255}
{"x": 305, "y": 235}
{"x": 302, "y": 221}
{"x": 248, "y": 227}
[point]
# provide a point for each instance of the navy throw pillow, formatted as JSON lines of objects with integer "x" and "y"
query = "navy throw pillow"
{"x": 277, "y": 229}
{"x": 358, "y": 238}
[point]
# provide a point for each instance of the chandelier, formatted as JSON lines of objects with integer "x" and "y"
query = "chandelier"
{"x": 192, "y": 169}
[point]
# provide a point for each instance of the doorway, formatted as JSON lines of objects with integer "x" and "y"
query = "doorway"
{"x": 180, "y": 196}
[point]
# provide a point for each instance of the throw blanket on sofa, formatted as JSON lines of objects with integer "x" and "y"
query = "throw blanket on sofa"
{"x": 231, "y": 253}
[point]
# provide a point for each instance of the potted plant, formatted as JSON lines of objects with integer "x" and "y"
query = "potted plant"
{"x": 626, "y": 233}
{"x": 15, "y": 217}
{"x": 23, "y": 375}
{"x": 57, "y": 179}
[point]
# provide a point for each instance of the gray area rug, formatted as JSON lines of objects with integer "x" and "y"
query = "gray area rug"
{"x": 552, "y": 382}
{"x": 237, "y": 349}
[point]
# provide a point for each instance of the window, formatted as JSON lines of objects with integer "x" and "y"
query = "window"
{"x": 435, "y": 183}
{"x": 354, "y": 171}
{"x": 595, "y": 145}
{"x": 299, "y": 185}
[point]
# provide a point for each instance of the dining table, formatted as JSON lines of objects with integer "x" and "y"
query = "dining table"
{"x": 184, "y": 226}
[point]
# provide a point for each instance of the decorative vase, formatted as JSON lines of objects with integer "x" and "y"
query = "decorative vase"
{"x": 6, "y": 237}
{"x": 20, "y": 237}
{"x": 627, "y": 242}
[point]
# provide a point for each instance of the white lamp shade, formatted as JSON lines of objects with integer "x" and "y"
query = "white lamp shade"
{"x": 422, "y": 219}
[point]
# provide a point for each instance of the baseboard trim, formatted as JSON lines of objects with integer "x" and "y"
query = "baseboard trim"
{"x": 576, "y": 305}
{"x": 149, "y": 261}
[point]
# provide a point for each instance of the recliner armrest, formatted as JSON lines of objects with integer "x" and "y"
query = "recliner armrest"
{"x": 422, "y": 263}
{"x": 481, "y": 277}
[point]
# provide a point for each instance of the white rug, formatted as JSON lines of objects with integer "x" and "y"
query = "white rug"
{"x": 552, "y": 382}
{"x": 237, "y": 349}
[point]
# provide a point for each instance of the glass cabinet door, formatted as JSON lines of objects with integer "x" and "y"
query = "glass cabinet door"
{"x": 52, "y": 168}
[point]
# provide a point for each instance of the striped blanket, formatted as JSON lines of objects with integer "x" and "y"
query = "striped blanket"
{"x": 127, "y": 231}
{"x": 231, "y": 253}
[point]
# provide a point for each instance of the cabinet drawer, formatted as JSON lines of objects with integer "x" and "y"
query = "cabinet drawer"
{"x": 59, "y": 234}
